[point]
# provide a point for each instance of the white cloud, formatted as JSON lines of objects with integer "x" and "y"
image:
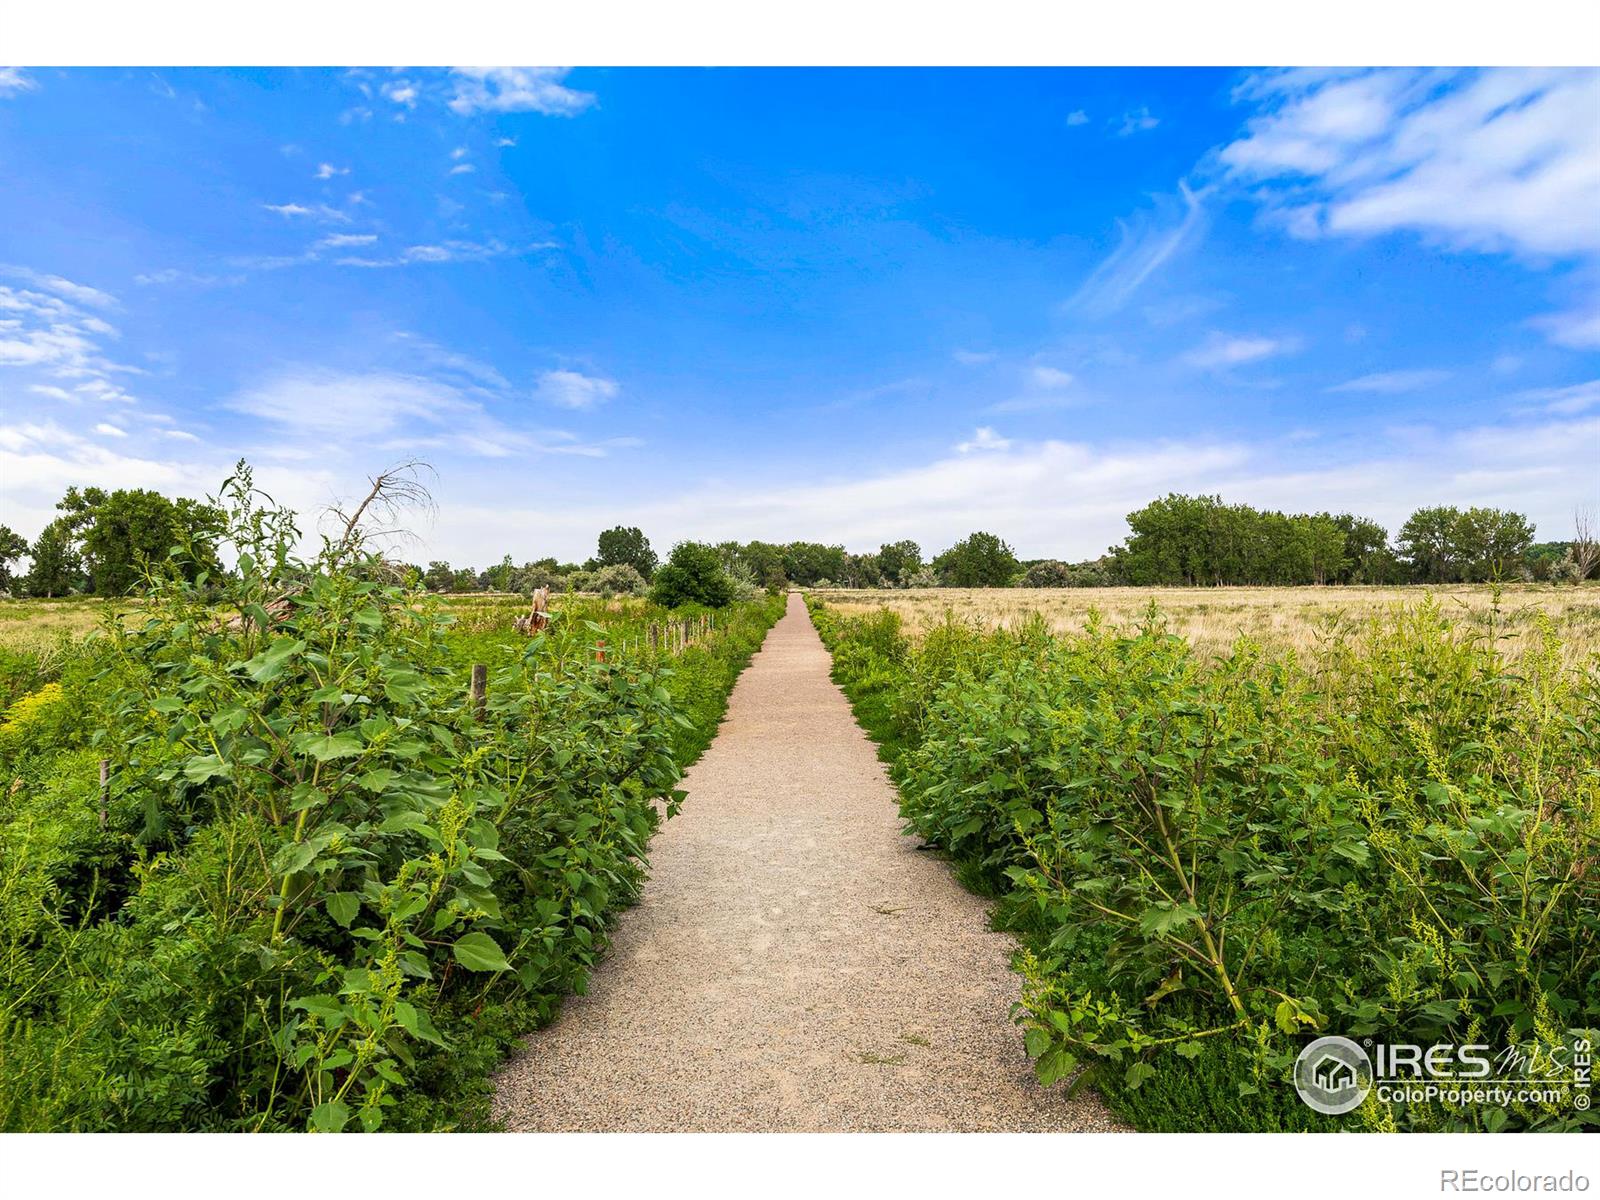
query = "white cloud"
{"x": 571, "y": 389}
{"x": 398, "y": 412}
{"x": 1146, "y": 244}
{"x": 338, "y": 241}
{"x": 463, "y": 169}
{"x": 1077, "y": 117}
{"x": 1221, "y": 350}
{"x": 321, "y": 212}
{"x": 1137, "y": 121}
{"x": 459, "y": 152}
{"x": 1577, "y": 329}
{"x": 973, "y": 358}
{"x": 505, "y": 142}
{"x": 516, "y": 89}
{"x": 983, "y": 438}
{"x": 51, "y": 338}
{"x": 14, "y": 81}
{"x": 328, "y": 171}
{"x": 401, "y": 92}
{"x": 1392, "y": 383}
{"x": 1498, "y": 160}
{"x": 1564, "y": 401}
{"x": 78, "y": 293}
{"x": 110, "y": 430}
{"x": 445, "y": 252}
{"x": 1049, "y": 378}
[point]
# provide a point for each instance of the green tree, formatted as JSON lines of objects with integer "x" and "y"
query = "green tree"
{"x": 1427, "y": 542}
{"x": 1367, "y": 557}
{"x": 978, "y": 560}
{"x": 692, "y": 574}
{"x": 438, "y": 577}
{"x": 627, "y": 545}
{"x": 899, "y": 561}
{"x": 807, "y": 562}
{"x": 1492, "y": 543}
{"x": 12, "y": 547}
{"x": 121, "y": 533}
{"x": 57, "y": 568}
{"x": 1325, "y": 547}
{"x": 499, "y": 576}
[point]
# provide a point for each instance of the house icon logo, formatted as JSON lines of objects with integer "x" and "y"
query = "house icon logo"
{"x": 1333, "y": 1075}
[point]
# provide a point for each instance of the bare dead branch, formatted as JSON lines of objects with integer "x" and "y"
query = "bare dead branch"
{"x": 396, "y": 493}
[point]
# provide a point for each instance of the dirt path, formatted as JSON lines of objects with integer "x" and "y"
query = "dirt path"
{"x": 795, "y": 963}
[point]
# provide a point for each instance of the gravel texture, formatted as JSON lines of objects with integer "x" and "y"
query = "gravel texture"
{"x": 795, "y": 964}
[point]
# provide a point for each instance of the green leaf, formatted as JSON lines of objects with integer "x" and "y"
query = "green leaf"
{"x": 343, "y": 907}
{"x": 327, "y": 1008}
{"x": 331, "y": 1117}
{"x": 340, "y": 745}
{"x": 480, "y": 952}
{"x": 415, "y": 1022}
{"x": 206, "y": 766}
{"x": 269, "y": 664}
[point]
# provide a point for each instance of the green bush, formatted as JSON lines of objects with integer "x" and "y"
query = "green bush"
{"x": 328, "y": 892}
{"x": 1207, "y": 862}
{"x": 693, "y": 574}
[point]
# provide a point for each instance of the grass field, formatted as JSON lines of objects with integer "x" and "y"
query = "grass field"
{"x": 1211, "y": 619}
{"x": 35, "y": 626}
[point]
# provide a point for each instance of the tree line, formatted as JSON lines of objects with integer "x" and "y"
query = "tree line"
{"x": 101, "y": 541}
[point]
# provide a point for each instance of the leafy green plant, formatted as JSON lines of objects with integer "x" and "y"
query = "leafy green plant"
{"x": 1209, "y": 861}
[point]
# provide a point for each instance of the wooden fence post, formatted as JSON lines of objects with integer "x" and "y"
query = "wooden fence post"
{"x": 480, "y": 690}
{"x": 105, "y": 789}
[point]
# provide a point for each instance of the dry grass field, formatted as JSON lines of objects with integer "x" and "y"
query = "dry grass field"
{"x": 1213, "y": 618}
{"x": 35, "y": 626}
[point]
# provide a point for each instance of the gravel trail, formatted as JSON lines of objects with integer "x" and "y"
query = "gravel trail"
{"x": 795, "y": 964}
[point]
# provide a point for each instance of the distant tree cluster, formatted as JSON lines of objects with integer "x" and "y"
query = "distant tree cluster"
{"x": 102, "y": 542}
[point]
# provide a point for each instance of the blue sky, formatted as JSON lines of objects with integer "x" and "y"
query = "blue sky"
{"x": 850, "y": 305}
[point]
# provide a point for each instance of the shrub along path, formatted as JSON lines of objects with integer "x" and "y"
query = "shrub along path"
{"x": 795, "y": 962}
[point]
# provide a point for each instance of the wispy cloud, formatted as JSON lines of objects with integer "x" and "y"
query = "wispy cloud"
{"x": 320, "y": 212}
{"x": 1050, "y": 378}
{"x": 572, "y": 389}
{"x": 1135, "y": 121}
{"x": 516, "y": 89}
{"x": 1391, "y": 383}
{"x": 983, "y": 438}
{"x": 1577, "y": 329}
{"x": 59, "y": 348}
{"x": 337, "y": 241}
{"x": 1564, "y": 401}
{"x": 1497, "y": 160}
{"x": 446, "y": 252}
{"x": 329, "y": 171}
{"x": 14, "y": 81}
{"x": 1077, "y": 117}
{"x": 1222, "y": 350}
{"x": 394, "y": 411}
{"x": 78, "y": 293}
{"x": 400, "y": 91}
{"x": 973, "y": 358}
{"x": 1147, "y": 243}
